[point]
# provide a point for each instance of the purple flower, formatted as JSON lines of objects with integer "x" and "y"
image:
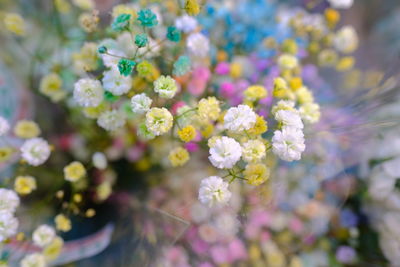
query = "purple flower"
{"x": 345, "y": 254}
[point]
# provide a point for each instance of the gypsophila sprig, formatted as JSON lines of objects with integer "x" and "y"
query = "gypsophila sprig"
{"x": 147, "y": 18}
{"x": 125, "y": 66}
{"x": 121, "y": 22}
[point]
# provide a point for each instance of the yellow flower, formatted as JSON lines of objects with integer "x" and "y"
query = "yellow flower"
{"x": 50, "y": 86}
{"x": 255, "y": 92}
{"x": 143, "y": 164}
{"x": 206, "y": 129}
{"x": 211, "y": 142}
{"x": 5, "y": 153}
{"x": 63, "y": 223}
{"x": 259, "y": 127}
{"x": 287, "y": 62}
{"x": 178, "y": 156}
{"x": 86, "y": 59}
{"x": 222, "y": 55}
{"x": 62, "y": 6}
{"x": 53, "y": 250}
{"x": 295, "y": 83}
{"x": 289, "y": 46}
{"x": 74, "y": 171}
{"x": 104, "y": 190}
{"x": 26, "y": 129}
{"x": 256, "y": 174}
{"x": 280, "y": 87}
{"x": 24, "y": 185}
{"x": 345, "y": 63}
{"x": 123, "y": 9}
{"x": 90, "y": 213}
{"x": 187, "y": 134}
{"x": 208, "y": 108}
{"x": 89, "y": 21}
{"x": 94, "y": 112}
{"x": 236, "y": 70}
{"x": 327, "y": 58}
{"x": 192, "y": 7}
{"x": 304, "y": 95}
{"x": 313, "y": 47}
{"x": 332, "y": 17}
{"x": 15, "y": 23}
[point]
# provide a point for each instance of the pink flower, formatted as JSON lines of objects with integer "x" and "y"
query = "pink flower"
{"x": 192, "y": 147}
{"x": 219, "y": 254}
{"x": 237, "y": 250}
{"x": 227, "y": 89}
{"x": 176, "y": 106}
{"x": 222, "y": 68}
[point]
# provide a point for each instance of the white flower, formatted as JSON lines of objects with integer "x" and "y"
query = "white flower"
{"x": 310, "y": 112}
{"x": 198, "y": 45}
{"x": 283, "y": 105}
{"x": 141, "y": 103}
{"x": 288, "y": 144}
{"x": 116, "y": 83}
{"x": 186, "y": 23}
{"x": 35, "y": 151}
{"x": 8, "y": 225}
{"x": 4, "y": 126}
{"x": 159, "y": 121}
{"x": 392, "y": 167}
{"x": 88, "y": 92}
{"x": 34, "y": 260}
{"x": 43, "y": 235}
{"x": 289, "y": 118}
{"x": 227, "y": 224}
{"x": 288, "y": 61}
{"x": 239, "y": 118}
{"x": 346, "y": 40}
{"x": 341, "y": 3}
{"x": 214, "y": 191}
{"x": 111, "y": 120}
{"x": 253, "y": 151}
{"x": 225, "y": 153}
{"x": 99, "y": 160}
{"x": 112, "y": 61}
{"x": 165, "y": 86}
{"x": 9, "y": 200}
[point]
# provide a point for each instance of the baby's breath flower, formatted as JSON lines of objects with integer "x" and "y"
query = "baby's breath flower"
{"x": 53, "y": 250}
{"x": 35, "y": 151}
{"x": 89, "y": 21}
{"x": 304, "y": 95}
{"x": 121, "y": 22}
{"x": 5, "y": 153}
{"x": 182, "y": 66}
{"x": 198, "y": 45}
{"x": 280, "y": 87}
{"x": 159, "y": 121}
{"x": 346, "y": 40}
{"x": 192, "y": 7}
{"x": 43, "y": 235}
{"x": 8, "y": 225}
{"x": 173, "y": 34}
{"x": 239, "y": 118}
{"x": 86, "y": 59}
{"x": 208, "y": 108}
{"x": 206, "y": 129}
{"x": 111, "y": 120}
{"x": 111, "y": 59}
{"x": 4, "y": 126}
{"x": 140, "y": 103}
{"x": 88, "y": 92}
{"x": 255, "y": 92}
{"x": 256, "y": 174}
{"x": 123, "y": 9}
{"x": 34, "y": 259}
{"x": 259, "y": 127}
{"x": 141, "y": 40}
{"x": 51, "y": 86}
{"x": 187, "y": 133}
{"x": 74, "y": 171}
{"x": 84, "y": 4}
{"x": 345, "y": 63}
{"x": 225, "y": 153}
{"x": 99, "y": 160}
{"x": 116, "y": 83}
{"x": 253, "y": 151}
{"x": 295, "y": 83}
{"x": 165, "y": 86}
{"x": 103, "y": 191}
{"x": 288, "y": 144}
{"x": 327, "y": 58}
{"x": 186, "y": 23}
{"x": 289, "y": 46}
{"x": 63, "y": 223}
{"x": 144, "y": 68}
{"x": 147, "y": 18}
{"x": 24, "y": 185}
{"x": 9, "y": 200}
{"x": 310, "y": 112}
{"x": 15, "y": 23}
{"x": 125, "y": 66}
{"x": 94, "y": 112}
{"x": 62, "y": 6}
{"x": 26, "y": 129}
{"x": 214, "y": 191}
{"x": 283, "y": 105}
{"x": 144, "y": 133}
{"x": 178, "y": 156}
{"x": 287, "y": 62}
{"x": 341, "y": 3}
{"x": 289, "y": 118}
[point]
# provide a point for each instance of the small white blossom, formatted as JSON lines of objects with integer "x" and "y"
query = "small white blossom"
{"x": 111, "y": 120}
{"x": 9, "y": 200}
{"x": 214, "y": 191}
{"x": 346, "y": 40}
{"x": 341, "y": 3}
{"x": 165, "y": 86}
{"x": 112, "y": 61}
{"x": 116, "y": 83}
{"x": 288, "y": 61}
{"x": 239, "y": 118}
{"x": 253, "y": 151}
{"x": 99, "y": 160}
{"x": 4, "y": 126}
{"x": 310, "y": 112}
{"x": 198, "y": 45}
{"x": 288, "y": 144}
{"x": 8, "y": 225}
{"x": 289, "y": 118}
{"x": 186, "y": 23}
{"x": 225, "y": 153}
{"x": 159, "y": 121}
{"x": 43, "y": 235}
{"x": 88, "y": 92}
{"x": 34, "y": 260}
{"x": 283, "y": 105}
{"x": 35, "y": 151}
{"x": 140, "y": 103}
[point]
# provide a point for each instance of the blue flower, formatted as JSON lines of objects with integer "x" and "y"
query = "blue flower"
{"x": 173, "y": 34}
{"x": 141, "y": 40}
{"x": 147, "y": 18}
{"x": 182, "y": 66}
